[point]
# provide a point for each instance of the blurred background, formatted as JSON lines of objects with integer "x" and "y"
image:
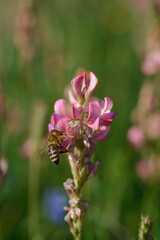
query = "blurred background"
{"x": 42, "y": 46}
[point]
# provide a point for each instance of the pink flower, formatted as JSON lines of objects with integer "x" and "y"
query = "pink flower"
{"x": 145, "y": 169}
{"x": 3, "y": 167}
{"x": 93, "y": 117}
{"x": 153, "y": 126}
{"x": 136, "y": 137}
{"x": 151, "y": 62}
{"x": 82, "y": 88}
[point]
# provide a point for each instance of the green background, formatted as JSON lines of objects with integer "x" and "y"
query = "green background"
{"x": 98, "y": 36}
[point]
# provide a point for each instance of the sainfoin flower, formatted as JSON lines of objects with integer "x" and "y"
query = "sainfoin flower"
{"x": 84, "y": 113}
{"x": 83, "y": 120}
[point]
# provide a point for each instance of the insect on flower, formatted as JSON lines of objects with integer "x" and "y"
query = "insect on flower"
{"x": 54, "y": 148}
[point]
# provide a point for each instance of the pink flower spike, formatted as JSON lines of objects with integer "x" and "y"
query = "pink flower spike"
{"x": 92, "y": 84}
{"x": 77, "y": 86}
{"x": 136, "y": 137}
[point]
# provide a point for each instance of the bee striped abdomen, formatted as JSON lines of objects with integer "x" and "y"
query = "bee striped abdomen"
{"x": 53, "y": 153}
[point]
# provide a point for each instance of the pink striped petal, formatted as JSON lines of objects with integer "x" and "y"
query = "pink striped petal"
{"x": 102, "y": 134}
{"x": 61, "y": 108}
{"x": 94, "y": 124}
{"x": 61, "y": 125}
{"x": 84, "y": 83}
{"x": 107, "y": 118}
{"x": 77, "y": 112}
{"x": 72, "y": 99}
{"x": 108, "y": 104}
{"x": 92, "y": 84}
{"x": 94, "y": 111}
{"x": 77, "y": 86}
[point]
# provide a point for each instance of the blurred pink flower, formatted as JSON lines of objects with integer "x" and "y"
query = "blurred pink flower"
{"x": 142, "y": 4}
{"x": 148, "y": 99}
{"x": 151, "y": 63}
{"x": 145, "y": 169}
{"x": 153, "y": 126}
{"x": 3, "y": 168}
{"x": 27, "y": 149}
{"x": 83, "y": 114}
{"x": 136, "y": 137}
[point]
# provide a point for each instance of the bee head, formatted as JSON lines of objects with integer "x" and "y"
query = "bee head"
{"x": 55, "y": 134}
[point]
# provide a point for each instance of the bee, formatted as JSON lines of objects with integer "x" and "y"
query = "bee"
{"x": 54, "y": 148}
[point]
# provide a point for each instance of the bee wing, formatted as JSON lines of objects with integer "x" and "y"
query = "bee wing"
{"x": 43, "y": 150}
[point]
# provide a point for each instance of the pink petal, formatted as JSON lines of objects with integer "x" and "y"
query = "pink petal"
{"x": 77, "y": 112}
{"x": 70, "y": 132}
{"x": 50, "y": 127}
{"x": 61, "y": 125}
{"x": 94, "y": 124}
{"x": 94, "y": 111}
{"x": 102, "y": 134}
{"x": 84, "y": 83}
{"x": 108, "y": 105}
{"x": 54, "y": 119}
{"x": 72, "y": 99}
{"x": 61, "y": 108}
{"x": 92, "y": 84}
{"x": 107, "y": 118}
{"x": 77, "y": 85}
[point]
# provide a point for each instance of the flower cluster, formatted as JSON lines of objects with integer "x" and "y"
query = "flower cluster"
{"x": 146, "y": 131}
{"x": 83, "y": 120}
{"x": 84, "y": 113}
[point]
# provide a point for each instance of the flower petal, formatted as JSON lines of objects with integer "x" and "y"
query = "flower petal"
{"x": 107, "y": 118}
{"x": 61, "y": 125}
{"x": 61, "y": 108}
{"x": 77, "y": 112}
{"x": 108, "y": 105}
{"x": 94, "y": 111}
{"x": 92, "y": 84}
{"x": 72, "y": 99}
{"x": 77, "y": 86}
{"x": 94, "y": 124}
{"x": 102, "y": 134}
{"x": 84, "y": 83}
{"x": 50, "y": 127}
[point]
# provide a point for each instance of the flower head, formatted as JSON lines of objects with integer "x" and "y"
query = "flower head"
{"x": 83, "y": 116}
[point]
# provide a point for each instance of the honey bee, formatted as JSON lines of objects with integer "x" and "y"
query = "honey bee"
{"x": 54, "y": 148}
